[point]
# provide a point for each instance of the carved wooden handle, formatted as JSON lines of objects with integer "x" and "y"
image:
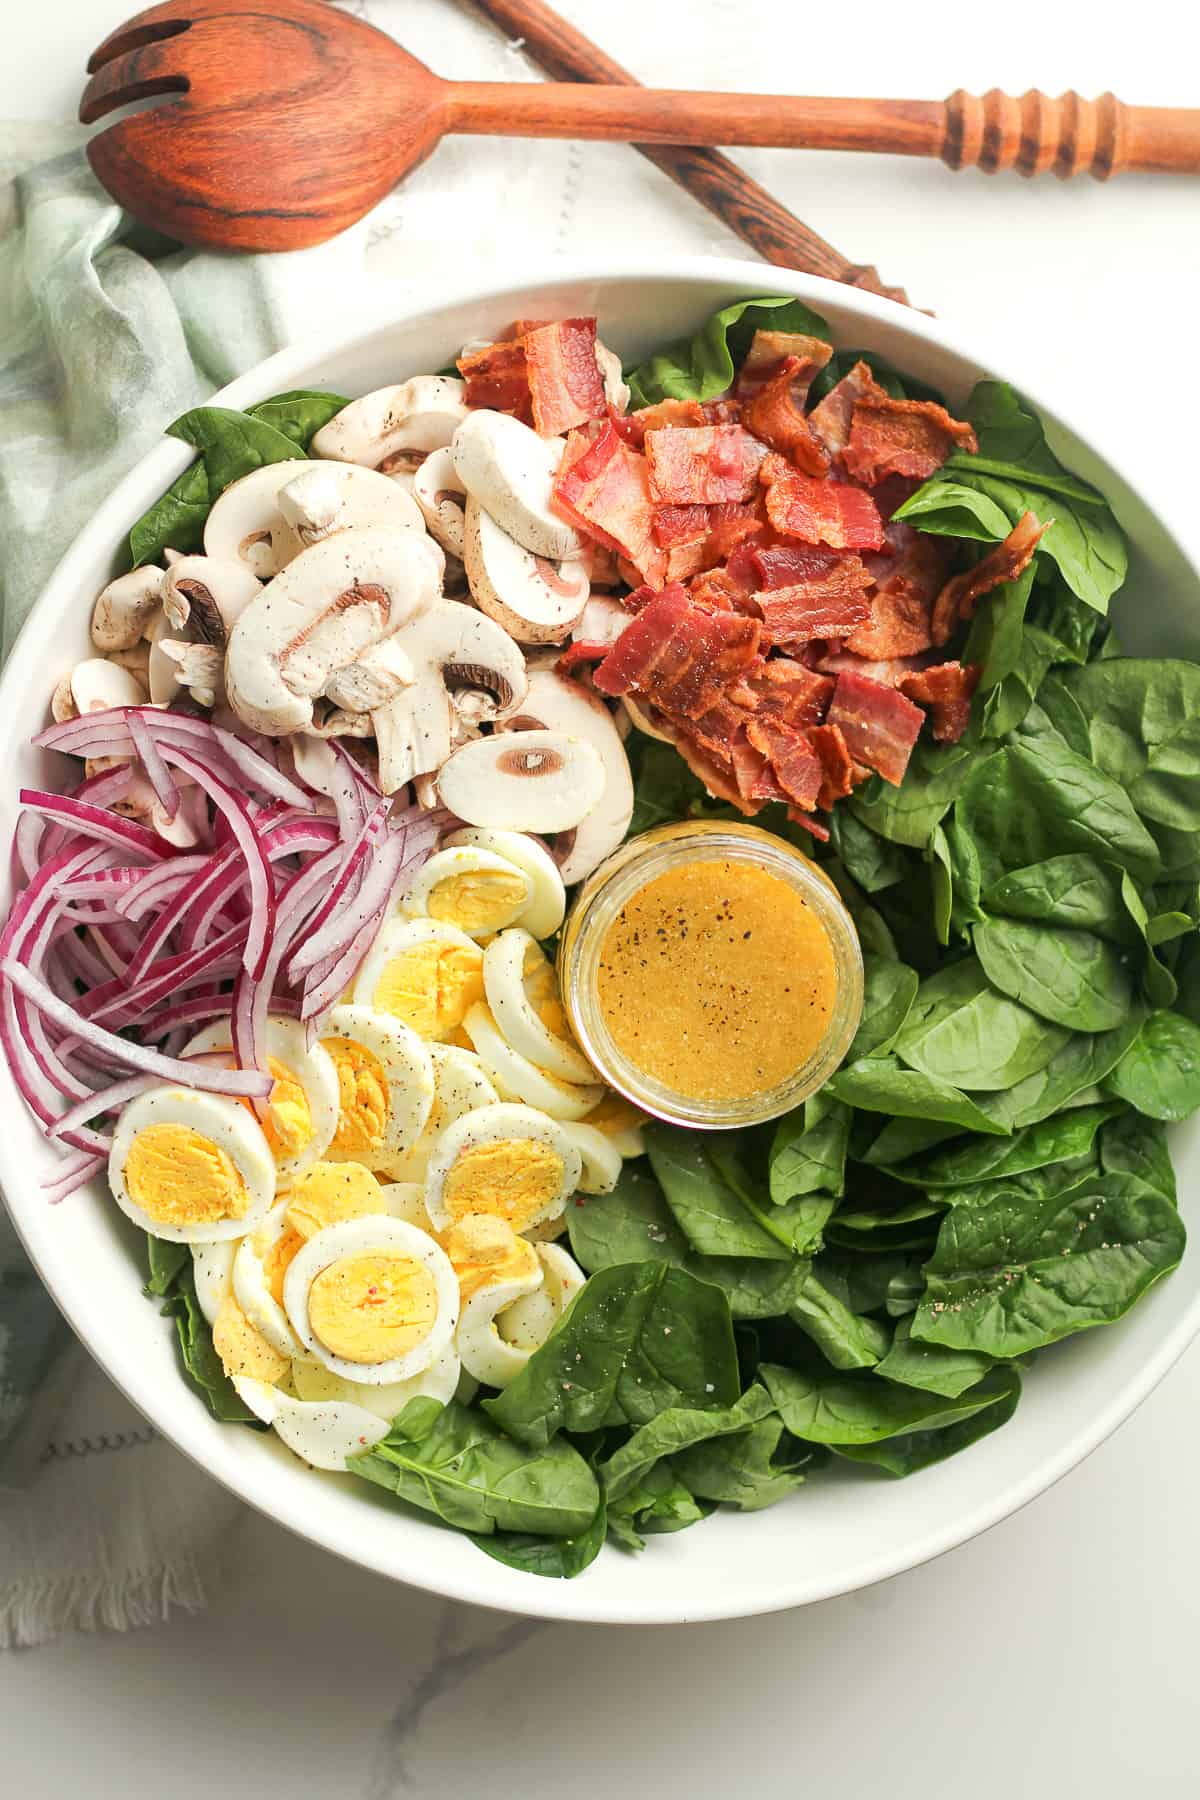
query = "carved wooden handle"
{"x": 1068, "y": 135}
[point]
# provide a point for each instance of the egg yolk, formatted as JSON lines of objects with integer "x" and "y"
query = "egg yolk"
{"x": 276, "y": 1259}
{"x": 373, "y": 1307}
{"x": 331, "y": 1192}
{"x": 541, "y": 989}
{"x": 514, "y": 1179}
{"x": 478, "y": 899}
{"x": 179, "y": 1177}
{"x": 288, "y": 1124}
{"x": 242, "y": 1349}
{"x": 431, "y": 987}
{"x": 363, "y": 1103}
{"x": 615, "y": 1115}
{"x": 485, "y": 1251}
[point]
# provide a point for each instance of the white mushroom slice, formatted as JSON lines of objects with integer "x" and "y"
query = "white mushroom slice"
{"x": 245, "y": 524}
{"x": 528, "y": 1322}
{"x": 378, "y": 673}
{"x": 136, "y": 660}
{"x": 547, "y": 902}
{"x": 207, "y": 597}
{"x": 535, "y": 600}
{"x": 601, "y": 622}
{"x": 391, "y": 423}
{"x": 554, "y": 703}
{"x": 522, "y": 991}
{"x": 125, "y": 608}
{"x": 200, "y": 668}
{"x": 641, "y": 721}
{"x": 315, "y": 763}
{"x": 523, "y": 781}
{"x": 333, "y": 722}
{"x": 455, "y": 652}
{"x": 325, "y": 498}
{"x": 328, "y": 606}
{"x": 440, "y": 495}
{"x": 601, "y": 1158}
{"x": 98, "y": 684}
{"x": 616, "y": 388}
{"x": 516, "y": 1078}
{"x": 62, "y": 703}
{"x": 510, "y": 470}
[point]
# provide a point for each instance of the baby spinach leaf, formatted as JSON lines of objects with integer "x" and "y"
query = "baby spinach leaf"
{"x": 557, "y": 1558}
{"x": 201, "y": 1364}
{"x": 869, "y": 859}
{"x": 452, "y": 1461}
{"x": 1057, "y": 1139}
{"x": 707, "y": 1211}
{"x": 1070, "y": 977}
{"x": 748, "y": 1469}
{"x": 665, "y": 790}
{"x": 703, "y": 366}
{"x": 880, "y": 1084}
{"x": 889, "y": 989}
{"x": 298, "y": 414}
{"x": 676, "y": 1429}
{"x": 903, "y": 1138}
{"x": 935, "y": 1368}
{"x": 808, "y": 1151}
{"x": 175, "y": 521}
{"x": 1084, "y": 1060}
{"x": 796, "y": 1224}
{"x": 847, "y": 1340}
{"x": 659, "y": 1503}
{"x": 166, "y": 1263}
{"x": 960, "y": 1028}
{"x": 949, "y": 506}
{"x": 907, "y": 814}
{"x": 1076, "y": 890}
{"x": 636, "y": 1339}
{"x": 1016, "y": 1273}
{"x": 920, "y": 1449}
{"x": 1158, "y": 983}
{"x": 998, "y": 629}
{"x": 1133, "y": 1145}
{"x": 231, "y": 444}
{"x": 861, "y": 1409}
{"x": 1160, "y": 1071}
{"x": 891, "y": 1282}
{"x": 1143, "y": 722}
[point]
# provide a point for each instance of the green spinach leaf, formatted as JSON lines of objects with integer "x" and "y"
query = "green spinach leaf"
{"x": 920, "y": 1449}
{"x": 935, "y": 1368}
{"x": 707, "y": 1210}
{"x": 961, "y": 1029}
{"x": 1160, "y": 1071}
{"x": 703, "y": 366}
{"x": 889, "y": 989}
{"x": 880, "y": 1084}
{"x": 861, "y": 1409}
{"x": 1076, "y": 980}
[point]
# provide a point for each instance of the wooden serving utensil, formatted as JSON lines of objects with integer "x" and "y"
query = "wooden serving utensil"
{"x": 295, "y": 120}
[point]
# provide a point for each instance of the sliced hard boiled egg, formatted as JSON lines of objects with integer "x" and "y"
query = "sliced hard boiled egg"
{"x": 385, "y": 1082}
{"x": 373, "y": 1299}
{"x": 302, "y": 1108}
{"x": 460, "y": 1085}
{"x": 193, "y": 1168}
{"x": 438, "y": 1382}
{"x": 519, "y": 1079}
{"x": 622, "y": 1124}
{"x": 601, "y": 1158}
{"x": 509, "y": 1161}
{"x": 504, "y": 1321}
{"x": 547, "y": 903}
{"x": 424, "y": 972}
{"x": 494, "y": 1267}
{"x": 522, "y": 991}
{"x": 331, "y": 1192}
{"x": 212, "y": 1275}
{"x": 473, "y": 889}
{"x": 243, "y": 1349}
{"x": 528, "y": 1322}
{"x": 259, "y": 1267}
{"x": 323, "y": 1433}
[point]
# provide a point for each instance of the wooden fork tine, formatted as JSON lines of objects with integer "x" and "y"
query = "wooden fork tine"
{"x": 154, "y": 25}
{"x": 132, "y": 76}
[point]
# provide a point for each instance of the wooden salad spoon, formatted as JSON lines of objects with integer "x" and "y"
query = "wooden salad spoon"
{"x": 296, "y": 119}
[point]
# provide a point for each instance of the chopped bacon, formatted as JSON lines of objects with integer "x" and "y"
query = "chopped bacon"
{"x": 717, "y": 773}
{"x": 792, "y": 565}
{"x": 565, "y": 384}
{"x": 830, "y": 419}
{"x": 797, "y": 615}
{"x": 837, "y": 765}
{"x": 901, "y": 437}
{"x": 497, "y": 377}
{"x": 680, "y": 524}
{"x": 890, "y": 494}
{"x": 879, "y": 725}
{"x": 776, "y": 415}
{"x": 946, "y": 689}
{"x": 1002, "y": 563}
{"x": 730, "y": 524}
{"x": 703, "y": 464}
{"x": 685, "y": 560}
{"x": 681, "y": 657}
{"x": 782, "y": 689}
{"x": 718, "y": 590}
{"x": 768, "y": 349}
{"x": 907, "y": 585}
{"x": 604, "y": 490}
{"x": 820, "y": 512}
{"x": 795, "y": 764}
{"x": 660, "y": 417}
{"x": 809, "y": 823}
{"x": 578, "y": 653}
{"x": 889, "y": 673}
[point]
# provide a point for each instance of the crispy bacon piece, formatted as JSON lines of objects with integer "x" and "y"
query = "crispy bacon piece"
{"x": 785, "y": 691}
{"x": 497, "y": 377}
{"x": 797, "y": 615}
{"x": 890, "y": 494}
{"x": 565, "y": 384}
{"x": 829, "y": 420}
{"x": 889, "y": 673}
{"x": 680, "y": 525}
{"x": 879, "y": 725}
{"x": 680, "y": 657}
{"x": 1004, "y": 562}
{"x": 768, "y": 349}
{"x": 901, "y": 437}
{"x": 730, "y": 525}
{"x": 837, "y": 765}
{"x": 660, "y": 417}
{"x": 776, "y": 415}
{"x": 795, "y": 764}
{"x": 717, "y": 590}
{"x": 703, "y": 464}
{"x": 582, "y": 651}
{"x": 811, "y": 825}
{"x": 946, "y": 689}
{"x": 603, "y": 488}
{"x": 907, "y": 584}
{"x": 792, "y": 565}
{"x": 820, "y": 512}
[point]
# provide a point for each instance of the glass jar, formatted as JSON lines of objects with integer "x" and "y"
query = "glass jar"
{"x": 599, "y": 906}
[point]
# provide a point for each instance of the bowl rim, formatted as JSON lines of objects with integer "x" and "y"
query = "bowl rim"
{"x": 486, "y": 1585}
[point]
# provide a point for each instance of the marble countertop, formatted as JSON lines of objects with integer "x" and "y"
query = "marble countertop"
{"x": 1053, "y": 1655}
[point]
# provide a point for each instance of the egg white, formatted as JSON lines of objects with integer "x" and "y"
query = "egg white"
{"x": 601, "y": 1158}
{"x": 212, "y": 1274}
{"x": 467, "y": 859}
{"x": 251, "y": 1289}
{"x": 460, "y": 1087}
{"x": 323, "y": 1434}
{"x": 502, "y": 1325}
{"x": 518, "y": 1079}
{"x": 504, "y": 980}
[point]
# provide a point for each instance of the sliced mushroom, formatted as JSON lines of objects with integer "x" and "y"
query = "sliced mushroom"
{"x": 440, "y": 494}
{"x": 601, "y": 622}
{"x": 640, "y": 718}
{"x": 126, "y": 607}
{"x": 199, "y": 668}
{"x": 98, "y": 684}
{"x": 510, "y": 470}
{"x": 328, "y": 497}
{"x": 372, "y": 680}
{"x": 207, "y": 596}
{"x": 334, "y": 722}
{"x": 523, "y": 781}
{"x": 385, "y": 427}
{"x": 466, "y": 670}
{"x": 245, "y": 524}
{"x": 328, "y": 606}
{"x": 537, "y": 601}
{"x": 137, "y": 661}
{"x": 616, "y": 388}
{"x": 555, "y": 703}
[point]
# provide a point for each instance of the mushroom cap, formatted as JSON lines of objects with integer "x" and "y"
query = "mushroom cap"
{"x": 207, "y": 595}
{"x": 523, "y": 781}
{"x": 440, "y": 495}
{"x": 245, "y": 525}
{"x": 510, "y": 470}
{"x": 125, "y": 608}
{"x": 419, "y": 414}
{"x": 554, "y": 702}
{"x": 536, "y": 600}
{"x": 97, "y": 684}
{"x": 324, "y": 497}
{"x": 328, "y": 606}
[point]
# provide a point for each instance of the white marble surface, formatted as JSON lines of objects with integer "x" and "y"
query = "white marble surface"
{"x": 1053, "y": 1656}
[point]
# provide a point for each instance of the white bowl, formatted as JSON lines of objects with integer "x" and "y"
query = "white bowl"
{"x": 846, "y": 1529}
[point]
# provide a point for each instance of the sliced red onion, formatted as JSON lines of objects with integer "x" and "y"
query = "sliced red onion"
{"x": 327, "y": 928}
{"x": 94, "y": 822}
{"x": 157, "y": 772}
{"x": 241, "y": 822}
